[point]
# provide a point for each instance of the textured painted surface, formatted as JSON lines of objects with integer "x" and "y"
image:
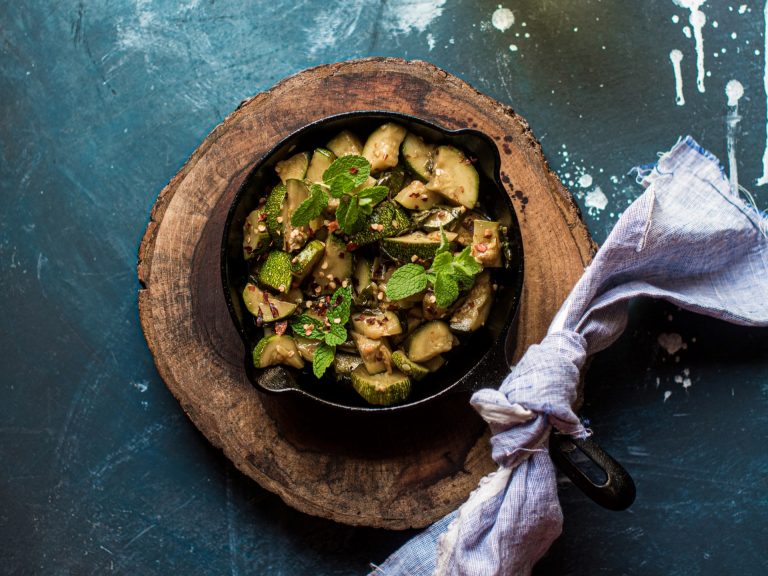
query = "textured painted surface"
{"x": 101, "y": 103}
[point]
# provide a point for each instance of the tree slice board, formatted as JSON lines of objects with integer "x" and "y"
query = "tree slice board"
{"x": 197, "y": 350}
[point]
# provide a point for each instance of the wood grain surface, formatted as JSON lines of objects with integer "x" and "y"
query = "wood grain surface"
{"x": 199, "y": 354}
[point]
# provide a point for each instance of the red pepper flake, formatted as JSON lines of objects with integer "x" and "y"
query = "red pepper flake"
{"x": 281, "y": 327}
{"x": 262, "y": 216}
{"x": 259, "y": 318}
{"x": 353, "y": 170}
{"x": 333, "y": 226}
{"x": 351, "y": 246}
{"x": 251, "y": 288}
{"x": 481, "y": 248}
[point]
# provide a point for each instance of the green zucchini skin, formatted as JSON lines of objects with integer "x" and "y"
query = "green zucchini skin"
{"x": 390, "y": 216}
{"x": 275, "y": 273}
{"x": 381, "y": 389}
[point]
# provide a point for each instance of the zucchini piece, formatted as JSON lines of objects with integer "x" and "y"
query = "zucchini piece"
{"x": 376, "y": 324}
{"x": 434, "y": 364}
{"x": 321, "y": 159}
{"x": 294, "y": 237}
{"x": 486, "y": 244}
{"x": 445, "y": 216}
{"x": 454, "y": 177}
{"x": 429, "y": 308}
{"x": 276, "y": 349}
{"x": 276, "y": 271}
{"x": 362, "y": 281}
{"x": 466, "y": 227}
{"x": 392, "y": 179}
{"x": 304, "y": 261}
{"x": 392, "y": 218}
{"x": 256, "y": 237}
{"x": 294, "y": 167}
{"x": 274, "y": 210}
{"x": 343, "y": 365}
{"x": 429, "y": 340}
{"x": 306, "y": 347}
{"x": 345, "y": 144}
{"x": 376, "y": 354}
{"x": 408, "y": 367}
{"x": 335, "y": 266}
{"x": 418, "y": 156}
{"x": 419, "y": 244}
{"x": 473, "y": 313}
{"x": 265, "y": 306}
{"x": 382, "y": 149}
{"x": 415, "y": 196}
{"x": 381, "y": 389}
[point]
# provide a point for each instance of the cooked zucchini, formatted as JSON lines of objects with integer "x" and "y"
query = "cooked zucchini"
{"x": 294, "y": 167}
{"x": 276, "y": 271}
{"x": 276, "y": 349}
{"x": 334, "y": 268}
{"x": 486, "y": 244}
{"x": 381, "y": 389}
{"x": 408, "y": 366}
{"x": 415, "y": 196}
{"x": 454, "y": 177}
{"x": 429, "y": 340}
{"x": 382, "y": 149}
{"x": 387, "y": 219}
{"x": 304, "y": 261}
{"x": 362, "y": 281}
{"x": 473, "y": 313}
{"x": 376, "y": 354}
{"x": 294, "y": 237}
{"x": 274, "y": 210}
{"x": 376, "y": 324}
{"x": 256, "y": 237}
{"x": 265, "y": 306}
{"x": 418, "y": 156}
{"x": 345, "y": 144}
{"x": 434, "y": 364}
{"x": 419, "y": 244}
{"x": 466, "y": 227}
{"x": 306, "y": 347}
{"x": 344, "y": 364}
{"x": 432, "y": 220}
{"x": 321, "y": 159}
{"x": 392, "y": 179}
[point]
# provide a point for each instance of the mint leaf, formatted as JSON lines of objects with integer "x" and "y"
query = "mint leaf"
{"x": 467, "y": 263}
{"x": 312, "y": 207}
{"x": 322, "y": 358}
{"x": 442, "y": 262}
{"x": 445, "y": 246}
{"x": 446, "y": 289}
{"x": 348, "y": 214}
{"x": 337, "y": 335}
{"x": 345, "y": 174}
{"x": 407, "y": 280}
{"x": 340, "y": 305}
{"x": 372, "y": 195}
{"x": 301, "y": 327}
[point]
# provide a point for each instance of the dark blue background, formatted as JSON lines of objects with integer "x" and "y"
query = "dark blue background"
{"x": 102, "y": 102}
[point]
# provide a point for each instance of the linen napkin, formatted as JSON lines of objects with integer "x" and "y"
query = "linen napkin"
{"x": 688, "y": 239}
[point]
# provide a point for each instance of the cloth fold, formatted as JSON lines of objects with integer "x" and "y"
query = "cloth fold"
{"x": 688, "y": 239}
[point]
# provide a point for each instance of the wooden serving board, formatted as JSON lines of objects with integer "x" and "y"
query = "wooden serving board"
{"x": 198, "y": 352}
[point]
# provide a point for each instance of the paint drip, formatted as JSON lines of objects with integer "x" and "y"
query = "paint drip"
{"x": 502, "y": 19}
{"x": 676, "y": 57}
{"x": 734, "y": 91}
{"x": 697, "y": 19}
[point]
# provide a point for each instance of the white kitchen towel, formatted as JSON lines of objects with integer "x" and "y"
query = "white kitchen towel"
{"x": 688, "y": 239}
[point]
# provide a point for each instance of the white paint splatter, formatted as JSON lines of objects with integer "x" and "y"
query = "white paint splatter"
{"x": 687, "y": 31}
{"x": 585, "y": 180}
{"x": 667, "y": 394}
{"x": 734, "y": 91}
{"x": 687, "y": 383}
{"x": 430, "y": 42}
{"x": 513, "y": 48}
{"x": 764, "y": 178}
{"x": 596, "y": 200}
{"x": 742, "y": 8}
{"x": 675, "y": 18}
{"x": 141, "y": 385}
{"x": 676, "y": 57}
{"x": 672, "y": 343}
{"x": 502, "y": 19}
{"x": 697, "y": 20}
{"x": 406, "y": 16}
{"x": 42, "y": 260}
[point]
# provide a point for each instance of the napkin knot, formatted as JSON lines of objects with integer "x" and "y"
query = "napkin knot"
{"x": 537, "y": 394}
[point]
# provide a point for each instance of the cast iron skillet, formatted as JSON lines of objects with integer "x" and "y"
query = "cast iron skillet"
{"x": 481, "y": 360}
{"x": 301, "y": 402}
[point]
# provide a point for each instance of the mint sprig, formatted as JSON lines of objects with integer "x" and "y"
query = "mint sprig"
{"x": 345, "y": 174}
{"x": 312, "y": 207}
{"x": 406, "y": 281}
{"x": 322, "y": 359}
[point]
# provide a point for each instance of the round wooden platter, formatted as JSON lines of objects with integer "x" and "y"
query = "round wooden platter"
{"x": 197, "y": 349}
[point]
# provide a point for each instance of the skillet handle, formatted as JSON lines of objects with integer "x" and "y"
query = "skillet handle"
{"x": 593, "y": 471}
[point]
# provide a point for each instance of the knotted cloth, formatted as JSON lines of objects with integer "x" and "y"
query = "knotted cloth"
{"x": 688, "y": 239}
